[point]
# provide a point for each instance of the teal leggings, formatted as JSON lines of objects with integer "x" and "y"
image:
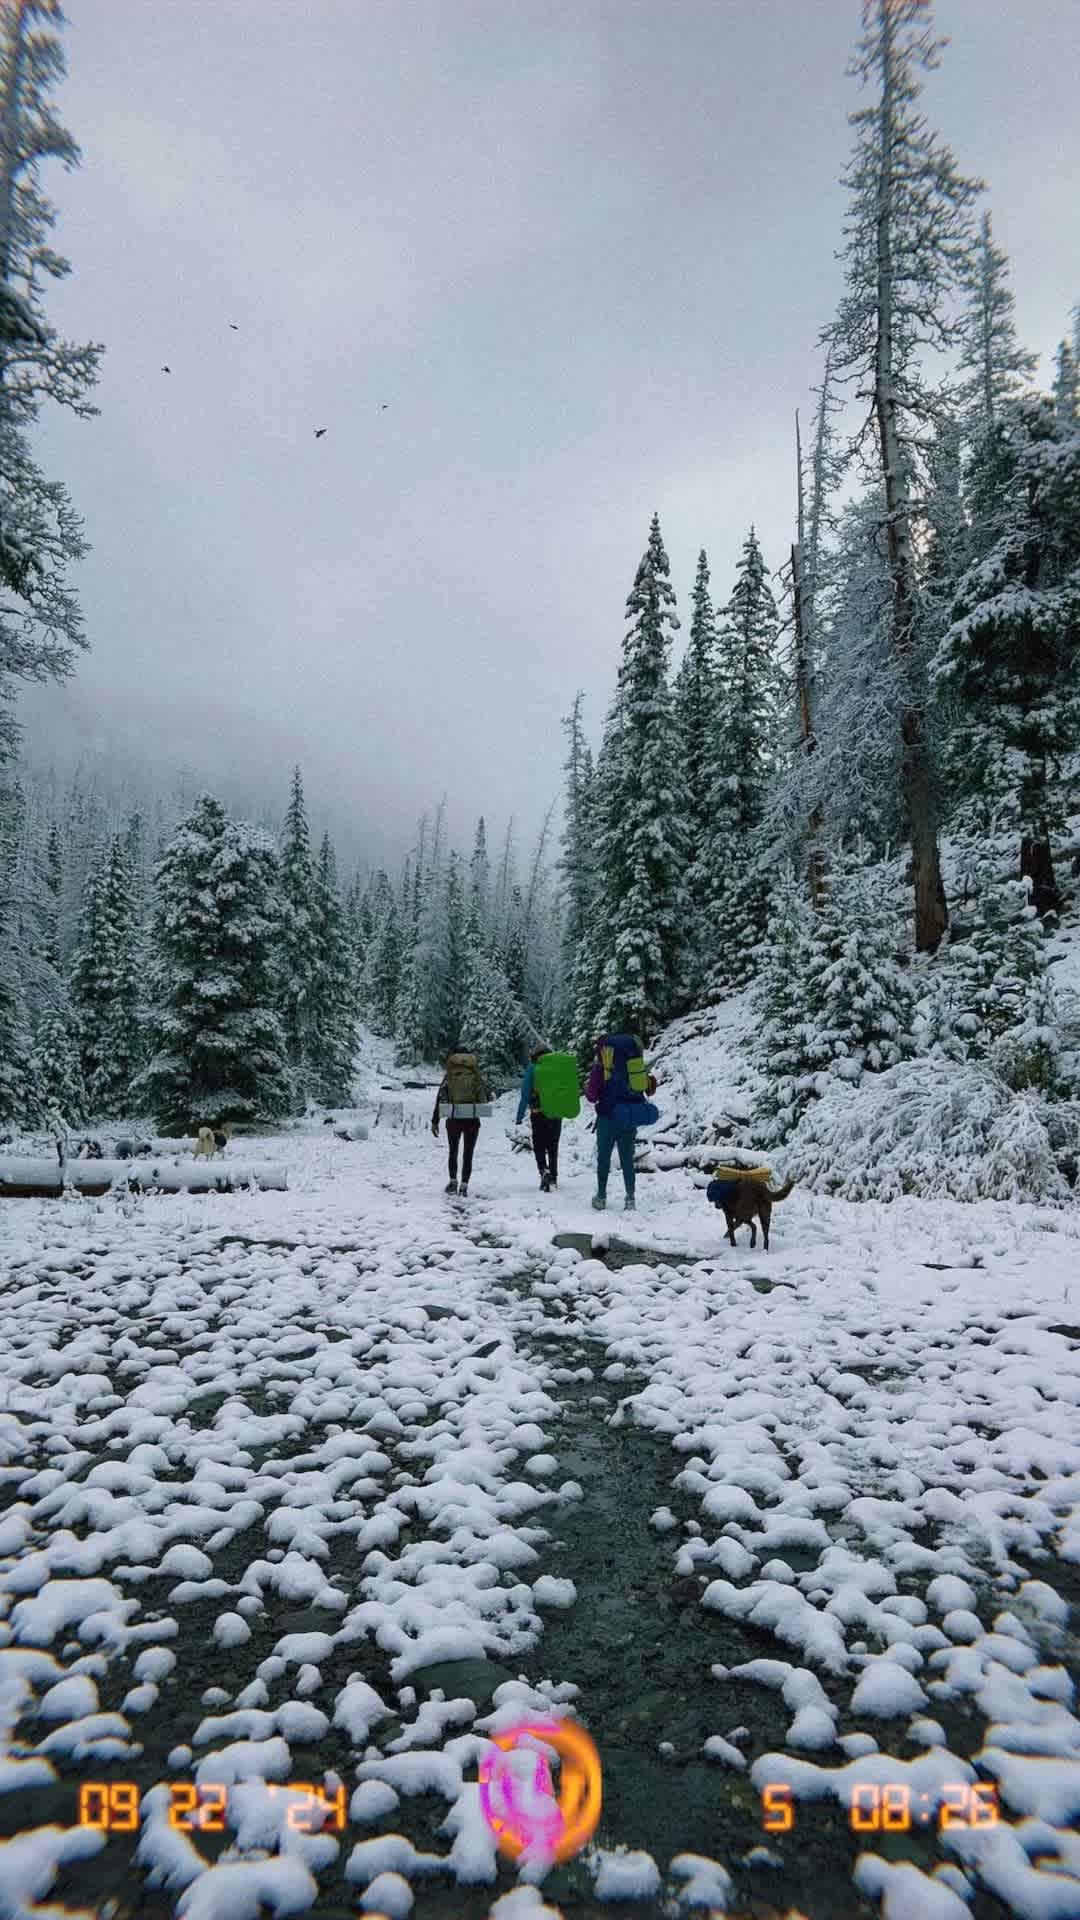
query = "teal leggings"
{"x": 607, "y": 1137}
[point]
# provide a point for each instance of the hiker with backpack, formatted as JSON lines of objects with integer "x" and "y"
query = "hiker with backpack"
{"x": 463, "y": 1100}
{"x": 617, "y": 1087}
{"x": 549, "y": 1095}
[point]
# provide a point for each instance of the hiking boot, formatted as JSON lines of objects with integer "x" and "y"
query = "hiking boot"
{"x": 464, "y": 1189}
{"x": 451, "y": 1186}
{"x": 629, "y": 1204}
{"x": 599, "y": 1201}
{"x": 545, "y": 1183}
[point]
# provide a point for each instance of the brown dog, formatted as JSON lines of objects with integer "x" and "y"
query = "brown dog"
{"x": 752, "y": 1201}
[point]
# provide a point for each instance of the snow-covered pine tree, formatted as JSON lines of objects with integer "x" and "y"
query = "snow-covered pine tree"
{"x": 334, "y": 996}
{"x": 585, "y": 993}
{"x": 990, "y": 997}
{"x": 360, "y": 919}
{"x": 1008, "y": 661}
{"x": 20, "y": 1094}
{"x": 59, "y": 1070}
{"x": 493, "y": 1024}
{"x": 56, "y": 1052}
{"x": 541, "y": 934}
{"x": 299, "y": 956}
{"x": 382, "y": 964}
{"x": 751, "y": 701}
{"x": 857, "y": 990}
{"x": 52, "y": 873}
{"x": 514, "y": 952}
{"x": 636, "y": 922}
{"x": 1067, "y": 386}
{"x": 782, "y": 1045}
{"x": 27, "y": 892}
{"x": 908, "y": 250}
{"x": 502, "y": 892}
{"x": 577, "y": 865}
{"x": 41, "y": 628}
{"x": 946, "y": 536}
{"x": 105, "y": 987}
{"x": 796, "y": 806}
{"x": 218, "y": 1045}
{"x": 456, "y": 956}
{"x": 998, "y": 369}
{"x": 698, "y": 731}
{"x": 480, "y": 891}
{"x": 421, "y": 992}
{"x": 859, "y": 745}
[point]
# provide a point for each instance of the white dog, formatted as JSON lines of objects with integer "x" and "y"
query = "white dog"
{"x": 205, "y": 1145}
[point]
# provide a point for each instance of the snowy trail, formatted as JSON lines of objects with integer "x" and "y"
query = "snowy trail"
{"x": 291, "y": 1482}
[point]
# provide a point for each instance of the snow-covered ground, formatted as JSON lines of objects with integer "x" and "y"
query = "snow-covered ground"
{"x": 267, "y": 1458}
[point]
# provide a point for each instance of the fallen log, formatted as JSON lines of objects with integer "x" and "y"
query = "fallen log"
{"x": 22, "y": 1177}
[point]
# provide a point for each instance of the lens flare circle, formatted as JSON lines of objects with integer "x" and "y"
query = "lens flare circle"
{"x": 526, "y": 1816}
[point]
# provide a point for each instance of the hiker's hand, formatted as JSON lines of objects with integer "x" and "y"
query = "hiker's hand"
{"x": 435, "y": 1128}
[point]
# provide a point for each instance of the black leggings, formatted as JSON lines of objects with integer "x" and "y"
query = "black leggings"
{"x": 465, "y": 1131}
{"x": 545, "y": 1140}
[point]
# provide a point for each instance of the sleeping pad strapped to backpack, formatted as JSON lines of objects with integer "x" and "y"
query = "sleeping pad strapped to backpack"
{"x": 555, "y": 1080}
{"x": 626, "y": 1078}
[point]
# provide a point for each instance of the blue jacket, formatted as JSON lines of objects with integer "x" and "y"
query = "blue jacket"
{"x": 525, "y": 1097}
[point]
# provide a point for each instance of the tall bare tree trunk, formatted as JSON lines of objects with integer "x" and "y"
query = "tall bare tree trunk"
{"x": 931, "y": 907}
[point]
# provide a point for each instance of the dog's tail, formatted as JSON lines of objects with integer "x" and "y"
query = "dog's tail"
{"x": 781, "y": 1192}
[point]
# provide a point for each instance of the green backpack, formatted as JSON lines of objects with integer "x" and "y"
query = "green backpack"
{"x": 555, "y": 1078}
{"x": 465, "y": 1085}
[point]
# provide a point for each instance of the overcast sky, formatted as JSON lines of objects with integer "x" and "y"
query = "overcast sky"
{"x": 579, "y": 250}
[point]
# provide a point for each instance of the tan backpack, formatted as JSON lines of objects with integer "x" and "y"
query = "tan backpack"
{"x": 464, "y": 1085}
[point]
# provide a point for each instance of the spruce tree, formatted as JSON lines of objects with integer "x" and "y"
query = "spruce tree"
{"x": 996, "y": 366}
{"x": 56, "y": 1052}
{"x": 577, "y": 865}
{"x": 783, "y": 1045}
{"x": 947, "y": 534}
{"x": 52, "y": 891}
{"x": 422, "y": 986}
{"x": 58, "y": 1069}
{"x": 20, "y": 1094}
{"x": 360, "y": 918}
{"x": 797, "y": 803}
{"x": 751, "y": 691}
{"x": 334, "y": 995}
{"x": 382, "y": 966}
{"x": 41, "y": 627}
{"x": 636, "y": 922}
{"x": 1067, "y": 387}
{"x": 698, "y": 728}
{"x": 990, "y": 996}
{"x": 1008, "y": 661}
{"x": 908, "y": 251}
{"x": 480, "y": 890}
{"x": 577, "y": 872}
{"x": 299, "y": 956}
{"x": 859, "y": 746}
{"x": 585, "y": 993}
{"x": 457, "y": 957}
{"x": 493, "y": 1023}
{"x": 105, "y": 986}
{"x": 855, "y": 989}
{"x": 515, "y": 945}
{"x": 218, "y": 1045}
